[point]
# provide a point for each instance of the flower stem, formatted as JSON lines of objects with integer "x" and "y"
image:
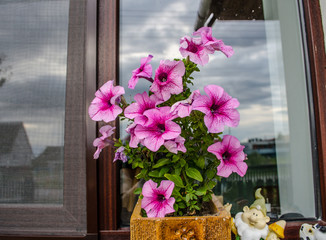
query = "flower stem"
{"x": 149, "y": 79}
{"x": 185, "y": 177}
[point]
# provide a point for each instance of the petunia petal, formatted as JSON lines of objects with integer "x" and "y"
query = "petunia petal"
{"x": 234, "y": 156}
{"x": 144, "y": 71}
{"x": 157, "y": 201}
{"x": 171, "y": 146}
{"x": 224, "y": 170}
{"x": 153, "y": 142}
{"x": 218, "y": 149}
{"x": 214, "y": 123}
{"x": 214, "y": 91}
{"x": 166, "y": 187}
{"x": 172, "y": 130}
{"x": 110, "y": 114}
{"x": 149, "y": 188}
{"x": 103, "y": 107}
{"x": 168, "y": 206}
{"x": 168, "y": 79}
{"x": 241, "y": 168}
{"x": 106, "y": 131}
{"x": 203, "y": 104}
{"x": 147, "y": 203}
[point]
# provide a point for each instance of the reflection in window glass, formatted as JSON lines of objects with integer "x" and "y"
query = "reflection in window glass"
{"x": 33, "y": 52}
{"x": 266, "y": 74}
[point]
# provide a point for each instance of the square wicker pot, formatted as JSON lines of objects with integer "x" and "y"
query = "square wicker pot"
{"x": 217, "y": 226}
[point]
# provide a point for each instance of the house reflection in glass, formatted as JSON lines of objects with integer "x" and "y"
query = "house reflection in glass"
{"x": 24, "y": 178}
{"x": 16, "y": 175}
{"x": 48, "y": 176}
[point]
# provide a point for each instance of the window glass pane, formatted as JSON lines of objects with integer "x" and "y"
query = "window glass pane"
{"x": 266, "y": 74}
{"x": 42, "y": 151}
{"x": 33, "y": 53}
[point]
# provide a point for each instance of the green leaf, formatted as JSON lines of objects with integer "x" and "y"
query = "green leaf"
{"x": 201, "y": 191}
{"x": 182, "y": 205}
{"x": 163, "y": 171}
{"x": 141, "y": 174}
{"x": 134, "y": 165}
{"x": 195, "y": 174}
{"x": 211, "y": 184}
{"x": 188, "y": 197}
{"x": 161, "y": 162}
{"x": 177, "y": 171}
{"x": 155, "y": 173}
{"x": 141, "y": 164}
{"x": 175, "y": 158}
{"x": 196, "y": 207}
{"x": 175, "y": 178}
{"x": 218, "y": 178}
{"x": 176, "y": 207}
{"x": 207, "y": 198}
{"x": 176, "y": 193}
{"x": 137, "y": 191}
{"x": 210, "y": 173}
{"x": 200, "y": 162}
{"x": 183, "y": 162}
{"x": 201, "y": 126}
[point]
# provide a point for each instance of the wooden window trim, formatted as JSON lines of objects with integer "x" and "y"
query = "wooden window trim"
{"x": 317, "y": 62}
{"x": 81, "y": 65}
{"x": 108, "y": 69}
{"x": 108, "y": 172}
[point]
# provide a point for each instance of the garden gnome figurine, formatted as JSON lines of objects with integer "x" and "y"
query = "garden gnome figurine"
{"x": 251, "y": 224}
{"x": 276, "y": 230}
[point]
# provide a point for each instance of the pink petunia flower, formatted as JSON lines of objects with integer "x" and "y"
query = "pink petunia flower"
{"x": 168, "y": 79}
{"x": 134, "y": 140}
{"x": 194, "y": 48}
{"x": 183, "y": 108}
{"x": 219, "y": 107}
{"x": 143, "y": 103}
{"x": 120, "y": 155}
{"x": 157, "y": 201}
{"x": 104, "y": 140}
{"x": 144, "y": 71}
{"x": 159, "y": 127}
{"x": 175, "y": 145}
{"x": 212, "y": 44}
{"x": 103, "y": 107}
{"x": 231, "y": 155}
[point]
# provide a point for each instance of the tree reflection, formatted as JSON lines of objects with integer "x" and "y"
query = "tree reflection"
{"x": 5, "y": 72}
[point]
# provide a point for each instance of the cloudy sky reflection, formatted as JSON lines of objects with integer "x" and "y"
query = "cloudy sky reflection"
{"x": 33, "y": 37}
{"x": 35, "y": 46}
{"x": 148, "y": 27}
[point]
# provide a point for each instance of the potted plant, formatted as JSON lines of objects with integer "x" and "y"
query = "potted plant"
{"x": 176, "y": 142}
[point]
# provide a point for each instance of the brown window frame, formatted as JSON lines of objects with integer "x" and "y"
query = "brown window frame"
{"x": 108, "y": 61}
{"x": 81, "y": 70}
